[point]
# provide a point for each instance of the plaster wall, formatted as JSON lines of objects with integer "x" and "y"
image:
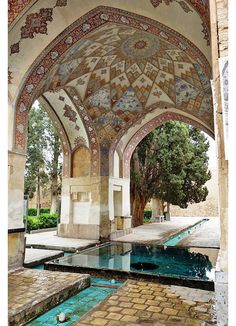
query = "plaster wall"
{"x": 85, "y": 219}
{"x": 16, "y": 250}
{"x": 123, "y": 207}
{"x": 16, "y": 169}
{"x": 75, "y": 208}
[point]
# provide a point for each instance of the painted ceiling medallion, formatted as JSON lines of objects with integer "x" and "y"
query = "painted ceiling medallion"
{"x": 140, "y": 46}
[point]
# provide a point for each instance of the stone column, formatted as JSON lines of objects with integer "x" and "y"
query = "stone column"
{"x": 80, "y": 208}
{"x": 105, "y": 222}
{"x": 16, "y": 230}
{"x": 156, "y": 210}
{"x": 119, "y": 206}
{"x": 219, "y": 43}
{"x": 218, "y": 11}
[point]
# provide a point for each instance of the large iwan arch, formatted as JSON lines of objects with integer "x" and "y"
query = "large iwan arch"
{"x": 106, "y": 76}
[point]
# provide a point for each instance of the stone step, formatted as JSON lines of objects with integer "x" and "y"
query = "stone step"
{"x": 33, "y": 292}
{"x": 34, "y": 257}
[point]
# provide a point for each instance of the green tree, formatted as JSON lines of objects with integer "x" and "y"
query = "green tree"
{"x": 54, "y": 165}
{"x": 35, "y": 175}
{"x": 170, "y": 164}
{"x": 43, "y": 164}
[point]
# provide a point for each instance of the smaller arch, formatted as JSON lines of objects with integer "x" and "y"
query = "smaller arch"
{"x": 66, "y": 148}
{"x": 80, "y": 162}
{"x": 147, "y": 128}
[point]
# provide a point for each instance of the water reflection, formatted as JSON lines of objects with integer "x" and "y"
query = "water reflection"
{"x": 173, "y": 261}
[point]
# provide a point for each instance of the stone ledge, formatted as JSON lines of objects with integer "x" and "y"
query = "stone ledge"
{"x": 34, "y": 257}
{"x": 22, "y": 283}
{"x": 120, "y": 233}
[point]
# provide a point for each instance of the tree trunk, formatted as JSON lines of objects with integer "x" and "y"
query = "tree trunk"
{"x": 54, "y": 176}
{"x": 54, "y": 196}
{"x": 138, "y": 206}
{"x": 38, "y": 204}
{"x": 163, "y": 207}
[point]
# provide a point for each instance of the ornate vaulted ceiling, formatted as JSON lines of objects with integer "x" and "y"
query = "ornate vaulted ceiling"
{"x": 120, "y": 72}
{"x": 33, "y": 24}
{"x": 107, "y": 71}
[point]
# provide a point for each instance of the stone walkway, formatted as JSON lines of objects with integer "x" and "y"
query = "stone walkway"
{"x": 31, "y": 292}
{"x": 35, "y": 257}
{"x": 151, "y": 304}
{"x": 49, "y": 240}
{"x": 207, "y": 236}
{"x": 156, "y": 232}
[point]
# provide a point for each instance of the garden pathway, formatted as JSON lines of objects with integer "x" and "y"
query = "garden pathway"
{"x": 207, "y": 236}
{"x": 50, "y": 240}
{"x": 152, "y": 304}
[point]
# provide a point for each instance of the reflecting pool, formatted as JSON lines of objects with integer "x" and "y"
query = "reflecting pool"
{"x": 181, "y": 262}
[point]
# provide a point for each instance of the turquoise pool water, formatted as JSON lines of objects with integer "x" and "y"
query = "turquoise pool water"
{"x": 104, "y": 281}
{"x": 41, "y": 266}
{"x": 181, "y": 262}
{"x": 183, "y": 234}
{"x": 74, "y": 307}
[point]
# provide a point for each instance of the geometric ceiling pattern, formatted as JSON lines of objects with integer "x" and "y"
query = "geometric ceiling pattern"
{"x": 69, "y": 117}
{"x": 120, "y": 72}
{"x": 115, "y": 68}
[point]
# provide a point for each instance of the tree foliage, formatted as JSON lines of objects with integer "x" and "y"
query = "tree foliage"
{"x": 43, "y": 163}
{"x": 171, "y": 164}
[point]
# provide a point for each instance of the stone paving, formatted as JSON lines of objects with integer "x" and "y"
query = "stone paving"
{"x": 152, "y": 304}
{"x": 50, "y": 240}
{"x": 207, "y": 236}
{"x": 35, "y": 257}
{"x": 156, "y": 232}
{"x": 32, "y": 292}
